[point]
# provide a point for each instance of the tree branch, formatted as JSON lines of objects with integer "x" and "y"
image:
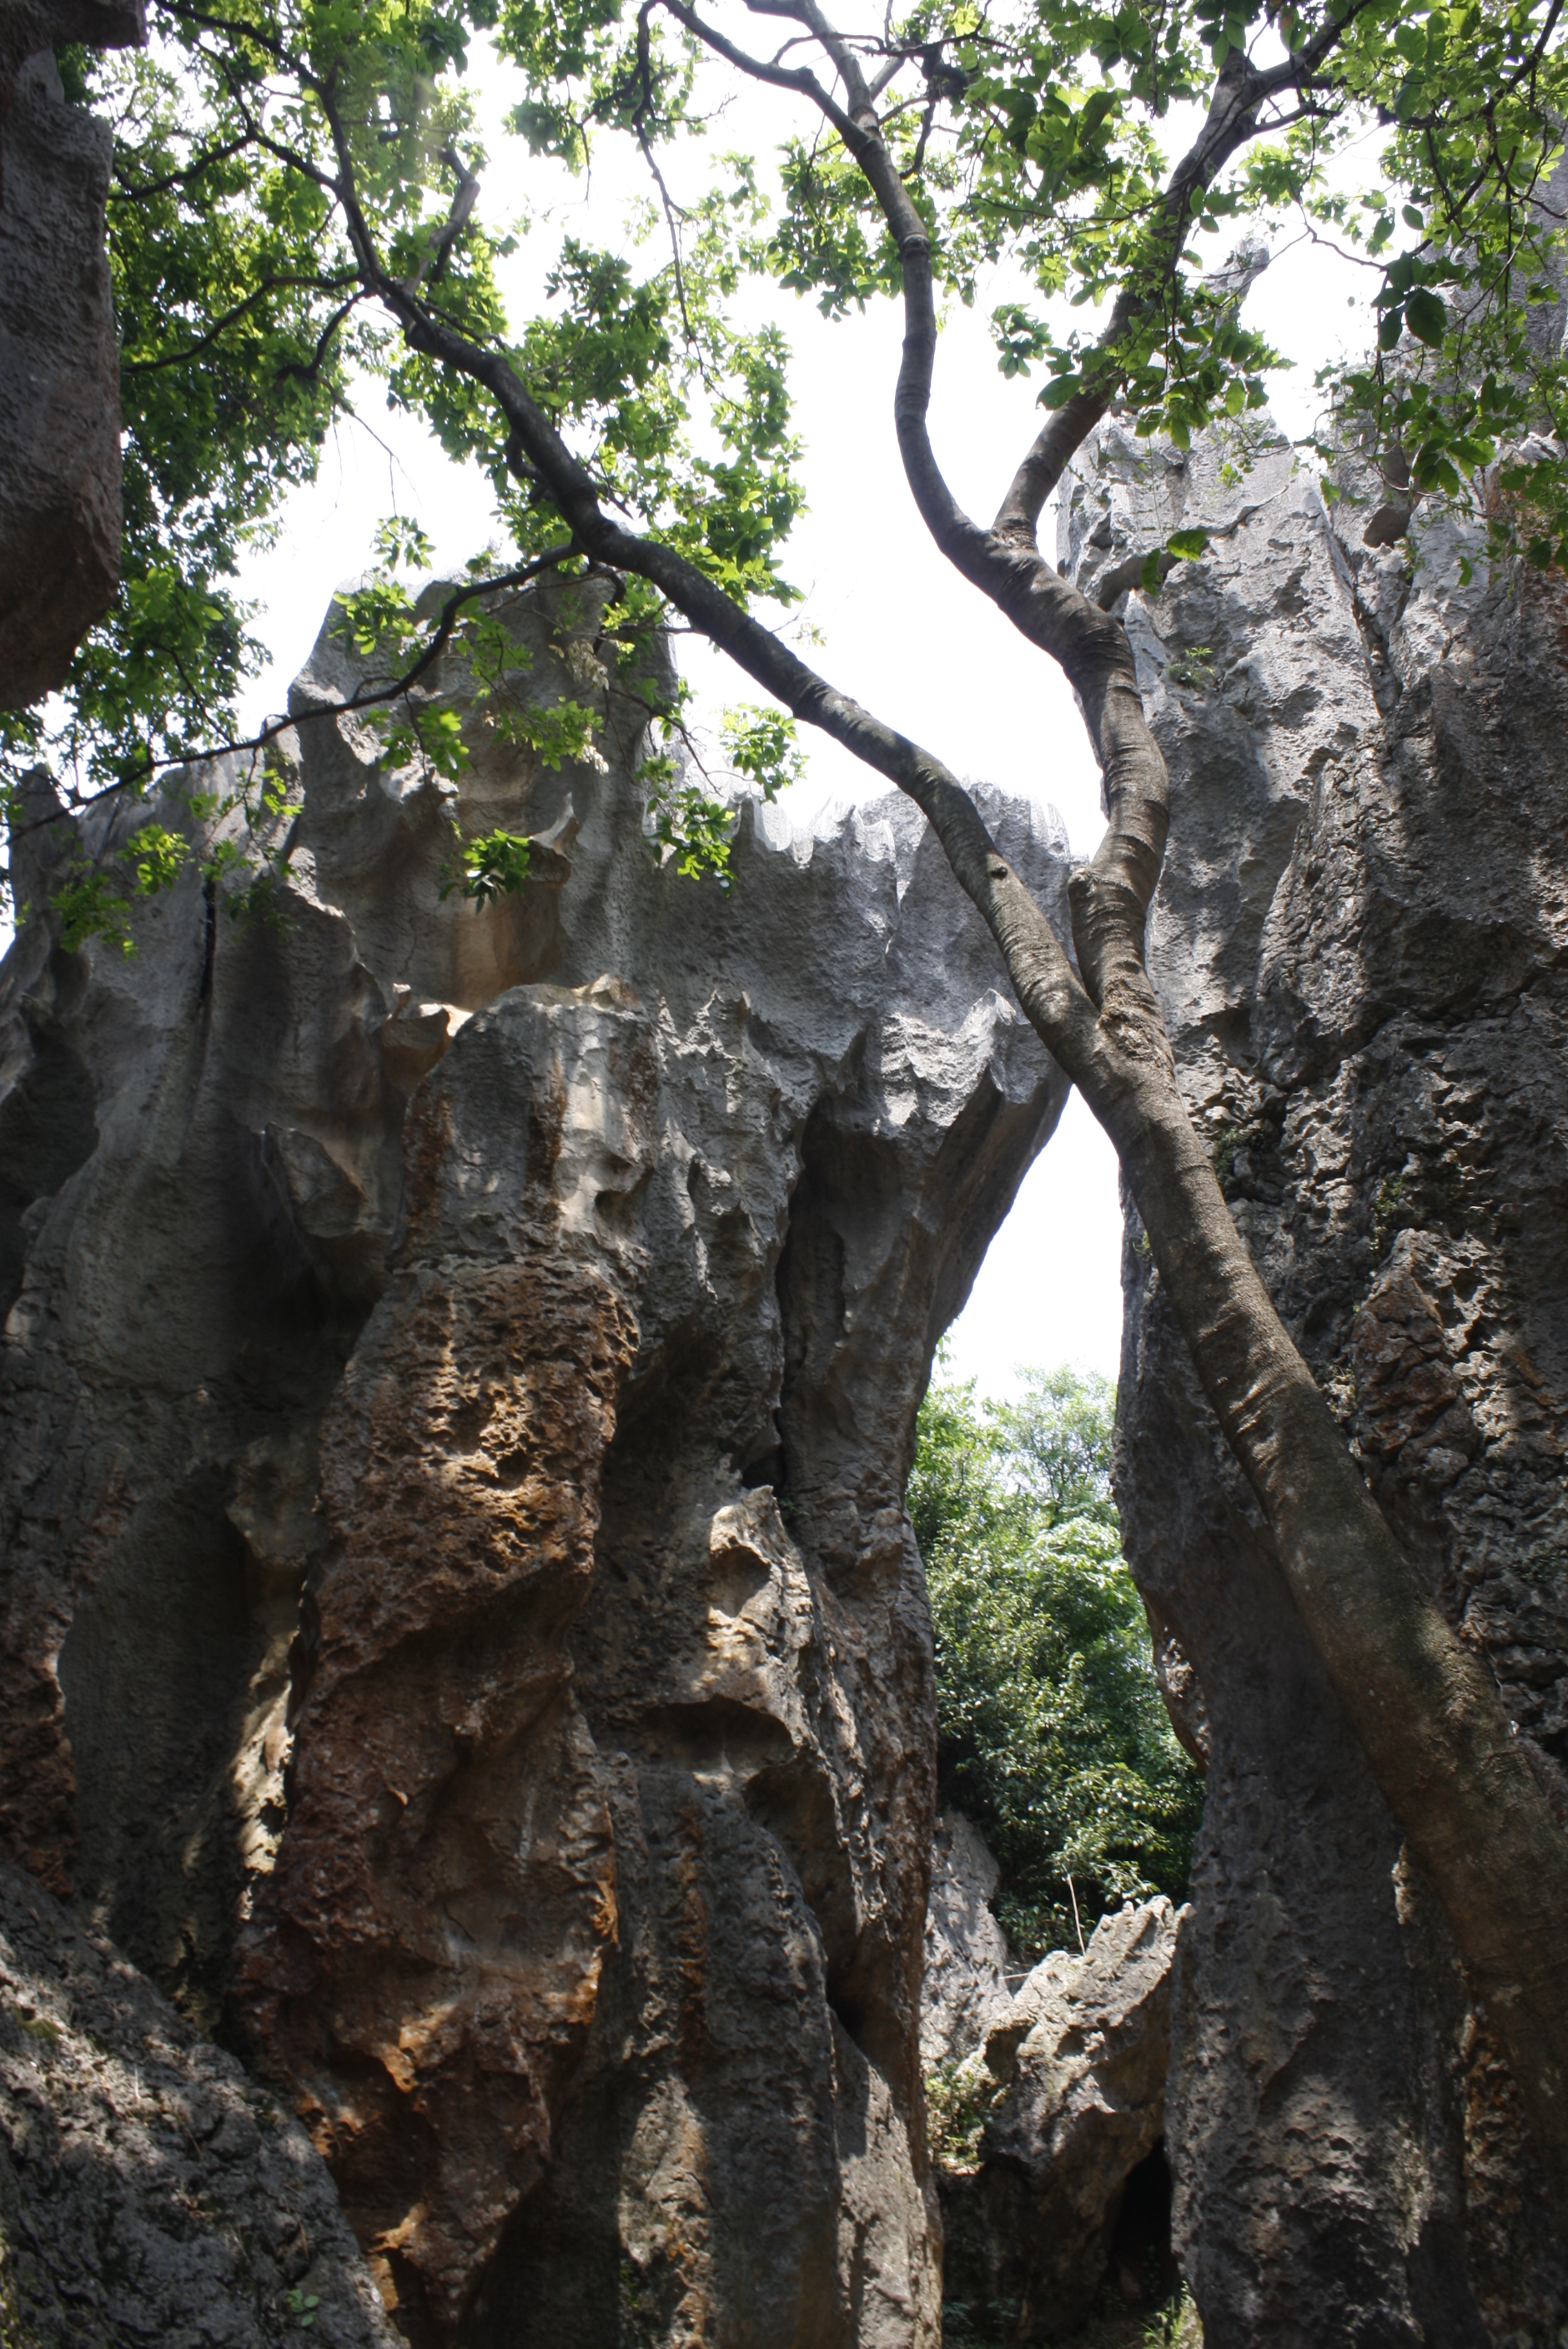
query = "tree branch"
{"x": 220, "y": 327}
{"x": 129, "y": 193}
{"x": 799, "y": 78}
{"x": 1230, "y": 121}
{"x": 457, "y": 219}
{"x": 361, "y": 698}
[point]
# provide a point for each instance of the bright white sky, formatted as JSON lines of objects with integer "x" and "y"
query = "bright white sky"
{"x": 902, "y": 632}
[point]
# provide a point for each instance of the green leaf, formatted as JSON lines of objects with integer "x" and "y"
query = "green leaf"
{"x": 87, "y": 905}
{"x": 1187, "y": 544}
{"x": 399, "y": 539}
{"x": 761, "y": 745}
{"x": 158, "y": 856}
{"x": 1425, "y": 316}
{"x": 492, "y": 866}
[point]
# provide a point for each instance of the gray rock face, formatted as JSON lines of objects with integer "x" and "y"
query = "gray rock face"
{"x": 459, "y": 1618}
{"x": 964, "y": 1984}
{"x": 28, "y": 25}
{"x": 149, "y": 2190}
{"x": 60, "y": 358}
{"x": 1080, "y": 2057}
{"x": 1359, "y": 942}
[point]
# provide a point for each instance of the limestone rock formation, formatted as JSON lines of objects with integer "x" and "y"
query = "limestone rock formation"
{"x": 149, "y": 2190}
{"x": 59, "y": 357}
{"x": 1080, "y": 2057}
{"x": 461, "y": 1630}
{"x": 1359, "y": 942}
{"x": 27, "y": 26}
{"x": 963, "y": 1986}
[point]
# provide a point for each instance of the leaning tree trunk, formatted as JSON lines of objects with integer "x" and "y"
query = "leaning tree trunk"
{"x": 1427, "y": 1711}
{"x": 1425, "y": 1707}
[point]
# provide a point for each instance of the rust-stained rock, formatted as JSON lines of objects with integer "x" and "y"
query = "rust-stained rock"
{"x": 423, "y": 1961}
{"x": 459, "y": 1388}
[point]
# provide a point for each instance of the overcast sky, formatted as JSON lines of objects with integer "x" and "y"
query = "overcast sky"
{"x": 901, "y": 631}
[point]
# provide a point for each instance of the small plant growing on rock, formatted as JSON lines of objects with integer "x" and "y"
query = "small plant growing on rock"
{"x": 1194, "y": 667}
{"x": 958, "y": 2098}
{"x": 1385, "y": 1207}
{"x": 1176, "y": 2326}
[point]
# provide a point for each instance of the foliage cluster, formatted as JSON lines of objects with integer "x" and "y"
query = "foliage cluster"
{"x": 959, "y": 2096}
{"x": 1052, "y": 1732}
{"x": 296, "y": 226}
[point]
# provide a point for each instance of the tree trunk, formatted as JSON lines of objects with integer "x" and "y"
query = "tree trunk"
{"x": 1426, "y": 1709}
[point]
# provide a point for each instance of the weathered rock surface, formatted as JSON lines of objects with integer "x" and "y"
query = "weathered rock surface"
{"x": 963, "y": 1986}
{"x": 1081, "y": 2055}
{"x": 496, "y": 1673}
{"x": 28, "y": 25}
{"x": 1359, "y": 940}
{"x": 423, "y": 1963}
{"x": 59, "y": 357}
{"x": 149, "y": 2190}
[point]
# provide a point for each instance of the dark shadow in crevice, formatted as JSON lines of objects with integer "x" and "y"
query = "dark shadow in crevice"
{"x": 48, "y": 1127}
{"x": 1142, "y": 2264}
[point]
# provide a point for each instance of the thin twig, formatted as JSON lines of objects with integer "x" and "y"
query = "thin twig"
{"x": 316, "y": 284}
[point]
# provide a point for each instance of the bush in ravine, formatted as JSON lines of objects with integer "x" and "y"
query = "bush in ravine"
{"x": 1052, "y": 1733}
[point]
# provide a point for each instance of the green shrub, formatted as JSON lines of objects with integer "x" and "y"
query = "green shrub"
{"x": 1052, "y": 1733}
{"x": 958, "y": 2100}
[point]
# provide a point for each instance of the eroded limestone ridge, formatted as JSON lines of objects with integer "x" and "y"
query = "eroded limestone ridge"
{"x": 461, "y": 1630}
{"x": 1360, "y": 941}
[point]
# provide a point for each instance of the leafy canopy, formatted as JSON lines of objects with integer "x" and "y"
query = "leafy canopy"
{"x": 298, "y": 204}
{"x": 1052, "y": 1735}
